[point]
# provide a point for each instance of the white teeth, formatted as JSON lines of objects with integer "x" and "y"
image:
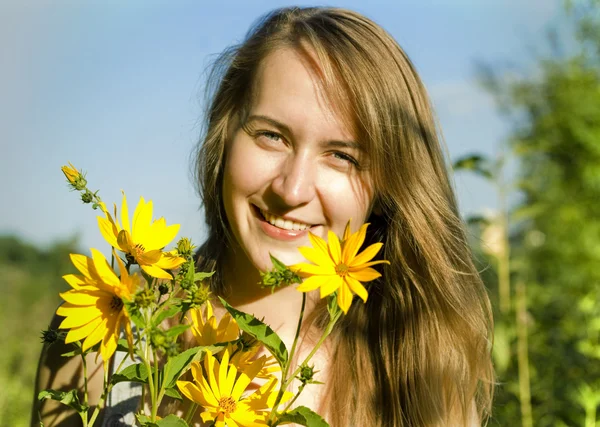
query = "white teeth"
{"x": 286, "y": 224}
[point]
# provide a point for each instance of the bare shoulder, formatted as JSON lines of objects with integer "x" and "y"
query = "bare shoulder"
{"x": 61, "y": 373}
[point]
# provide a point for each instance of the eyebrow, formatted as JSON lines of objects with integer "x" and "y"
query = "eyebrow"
{"x": 286, "y": 129}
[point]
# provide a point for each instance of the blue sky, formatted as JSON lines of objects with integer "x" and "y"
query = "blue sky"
{"x": 115, "y": 87}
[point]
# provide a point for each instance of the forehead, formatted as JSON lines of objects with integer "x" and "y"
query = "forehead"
{"x": 289, "y": 85}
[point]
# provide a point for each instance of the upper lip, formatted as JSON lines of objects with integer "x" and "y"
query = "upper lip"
{"x": 286, "y": 217}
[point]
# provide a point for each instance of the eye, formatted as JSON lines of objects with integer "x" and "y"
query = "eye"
{"x": 269, "y": 136}
{"x": 344, "y": 159}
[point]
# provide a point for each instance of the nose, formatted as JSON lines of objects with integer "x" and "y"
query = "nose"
{"x": 295, "y": 181}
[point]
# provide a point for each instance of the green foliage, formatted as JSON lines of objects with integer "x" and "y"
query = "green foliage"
{"x": 555, "y": 234}
{"x": 303, "y": 416}
{"x": 31, "y": 281}
{"x": 260, "y": 331}
{"x": 68, "y": 398}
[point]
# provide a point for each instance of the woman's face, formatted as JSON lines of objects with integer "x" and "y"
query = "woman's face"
{"x": 294, "y": 166}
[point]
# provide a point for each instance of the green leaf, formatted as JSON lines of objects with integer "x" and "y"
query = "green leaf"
{"x": 177, "y": 365}
{"x": 166, "y": 313}
{"x": 172, "y": 392}
{"x": 278, "y": 265}
{"x": 475, "y": 163}
{"x": 135, "y": 315}
{"x": 136, "y": 373}
{"x": 303, "y": 416}
{"x": 201, "y": 275}
{"x": 260, "y": 331}
{"x": 68, "y": 398}
{"x": 171, "y": 421}
{"x": 175, "y": 331}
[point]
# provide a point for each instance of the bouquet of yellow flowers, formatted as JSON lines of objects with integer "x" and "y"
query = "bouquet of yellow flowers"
{"x": 144, "y": 299}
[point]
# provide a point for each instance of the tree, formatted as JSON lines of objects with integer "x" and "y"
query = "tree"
{"x": 554, "y": 235}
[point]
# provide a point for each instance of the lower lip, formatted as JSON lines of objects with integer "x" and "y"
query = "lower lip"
{"x": 280, "y": 233}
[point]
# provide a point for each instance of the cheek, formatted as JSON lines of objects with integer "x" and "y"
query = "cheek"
{"x": 247, "y": 171}
{"x": 345, "y": 198}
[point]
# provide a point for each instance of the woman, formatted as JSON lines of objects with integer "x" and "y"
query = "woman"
{"x": 318, "y": 117}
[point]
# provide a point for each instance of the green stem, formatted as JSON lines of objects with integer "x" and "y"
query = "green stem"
{"x": 297, "y": 336}
{"x": 106, "y": 387}
{"x": 85, "y": 379}
{"x": 155, "y": 396}
{"x": 291, "y": 402}
{"x": 163, "y": 385}
{"x": 288, "y": 363}
{"x": 190, "y": 413}
{"x": 326, "y": 333}
{"x": 523, "y": 356}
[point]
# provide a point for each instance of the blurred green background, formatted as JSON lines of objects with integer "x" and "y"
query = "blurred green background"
{"x": 537, "y": 242}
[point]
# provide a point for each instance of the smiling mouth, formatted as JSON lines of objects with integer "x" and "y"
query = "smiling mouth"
{"x": 283, "y": 223}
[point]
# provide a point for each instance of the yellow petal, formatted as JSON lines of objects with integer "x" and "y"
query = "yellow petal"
{"x": 83, "y": 264}
{"x": 160, "y": 235}
{"x": 318, "y": 242}
{"x": 96, "y": 336}
{"x": 344, "y": 298}
{"x": 77, "y": 317}
{"x": 353, "y": 244}
{"x": 311, "y": 269}
{"x": 82, "y": 297}
{"x": 107, "y": 275}
{"x": 141, "y": 220}
{"x": 247, "y": 376}
{"x": 364, "y": 274}
{"x": 314, "y": 282}
{"x": 108, "y": 231}
{"x": 367, "y": 255}
{"x": 125, "y": 214}
{"x": 76, "y": 334}
{"x": 334, "y": 247}
{"x": 369, "y": 264}
{"x": 154, "y": 271}
{"x": 347, "y": 231}
{"x": 109, "y": 341}
{"x": 315, "y": 256}
{"x": 223, "y": 385}
{"x": 149, "y": 257}
{"x": 357, "y": 288}
{"x": 169, "y": 262}
{"x": 330, "y": 286}
{"x": 75, "y": 281}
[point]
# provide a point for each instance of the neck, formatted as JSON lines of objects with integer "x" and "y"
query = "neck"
{"x": 280, "y": 309}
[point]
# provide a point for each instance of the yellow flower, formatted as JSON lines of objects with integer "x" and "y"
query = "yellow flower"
{"x": 220, "y": 388}
{"x": 207, "y": 332}
{"x": 339, "y": 268}
{"x": 243, "y": 359}
{"x": 144, "y": 240}
{"x": 74, "y": 177}
{"x": 94, "y": 309}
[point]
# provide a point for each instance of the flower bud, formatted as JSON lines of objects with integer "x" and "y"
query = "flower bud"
{"x": 50, "y": 336}
{"x": 144, "y": 298}
{"x": 87, "y": 197}
{"x": 163, "y": 288}
{"x": 75, "y": 178}
{"x": 185, "y": 248}
{"x": 307, "y": 374}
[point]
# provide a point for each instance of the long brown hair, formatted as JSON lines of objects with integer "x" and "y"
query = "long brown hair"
{"x": 418, "y": 352}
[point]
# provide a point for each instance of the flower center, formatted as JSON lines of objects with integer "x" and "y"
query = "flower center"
{"x": 341, "y": 269}
{"x": 116, "y": 304}
{"x": 135, "y": 253}
{"x": 227, "y": 405}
